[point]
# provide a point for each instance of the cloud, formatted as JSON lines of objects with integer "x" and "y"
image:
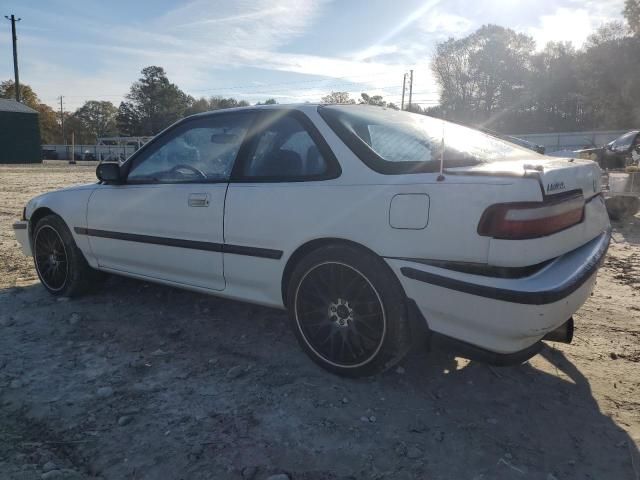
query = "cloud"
{"x": 572, "y": 24}
{"x": 447, "y": 24}
{"x": 190, "y": 41}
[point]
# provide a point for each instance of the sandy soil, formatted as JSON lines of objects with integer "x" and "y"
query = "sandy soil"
{"x": 144, "y": 381}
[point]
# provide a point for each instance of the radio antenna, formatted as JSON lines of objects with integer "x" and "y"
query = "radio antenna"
{"x": 441, "y": 176}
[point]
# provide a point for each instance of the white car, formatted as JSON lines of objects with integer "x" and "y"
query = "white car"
{"x": 368, "y": 225}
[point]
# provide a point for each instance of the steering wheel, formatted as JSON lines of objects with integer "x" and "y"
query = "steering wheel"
{"x": 190, "y": 168}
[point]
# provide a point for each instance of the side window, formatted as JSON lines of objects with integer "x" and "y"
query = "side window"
{"x": 201, "y": 150}
{"x": 283, "y": 150}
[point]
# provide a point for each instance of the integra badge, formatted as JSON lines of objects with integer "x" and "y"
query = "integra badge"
{"x": 552, "y": 187}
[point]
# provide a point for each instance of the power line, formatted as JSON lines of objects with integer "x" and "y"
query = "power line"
{"x": 296, "y": 82}
{"x": 268, "y": 88}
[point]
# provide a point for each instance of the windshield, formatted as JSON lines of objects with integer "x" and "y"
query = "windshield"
{"x": 392, "y": 141}
{"x": 623, "y": 143}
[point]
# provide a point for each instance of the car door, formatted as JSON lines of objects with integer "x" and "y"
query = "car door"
{"x": 165, "y": 221}
{"x": 278, "y": 186}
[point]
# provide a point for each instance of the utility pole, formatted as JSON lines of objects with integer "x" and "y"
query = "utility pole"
{"x": 13, "y": 21}
{"x": 62, "y": 121}
{"x": 410, "y": 88}
{"x": 404, "y": 87}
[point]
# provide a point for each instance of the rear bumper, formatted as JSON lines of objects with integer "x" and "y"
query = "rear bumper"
{"x": 503, "y": 315}
{"x": 21, "y": 231}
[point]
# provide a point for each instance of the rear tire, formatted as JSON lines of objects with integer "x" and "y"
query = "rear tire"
{"x": 59, "y": 263}
{"x": 348, "y": 311}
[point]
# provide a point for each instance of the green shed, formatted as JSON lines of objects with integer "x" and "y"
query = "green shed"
{"x": 19, "y": 133}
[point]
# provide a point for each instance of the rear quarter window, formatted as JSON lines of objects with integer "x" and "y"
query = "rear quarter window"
{"x": 397, "y": 142}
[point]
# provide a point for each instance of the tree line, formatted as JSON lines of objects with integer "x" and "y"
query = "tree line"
{"x": 496, "y": 79}
{"x": 152, "y": 104}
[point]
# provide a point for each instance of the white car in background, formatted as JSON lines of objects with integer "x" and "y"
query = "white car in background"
{"x": 368, "y": 225}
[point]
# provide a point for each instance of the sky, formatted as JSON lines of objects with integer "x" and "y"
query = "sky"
{"x": 290, "y": 50}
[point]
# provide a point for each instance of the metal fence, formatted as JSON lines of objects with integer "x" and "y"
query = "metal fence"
{"x": 88, "y": 152}
{"x": 572, "y": 140}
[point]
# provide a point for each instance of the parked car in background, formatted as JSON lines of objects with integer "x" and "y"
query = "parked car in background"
{"x": 622, "y": 152}
{"x": 369, "y": 225}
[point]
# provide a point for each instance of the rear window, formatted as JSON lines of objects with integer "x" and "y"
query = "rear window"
{"x": 391, "y": 141}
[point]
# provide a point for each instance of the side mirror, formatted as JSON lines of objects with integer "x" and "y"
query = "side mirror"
{"x": 109, "y": 172}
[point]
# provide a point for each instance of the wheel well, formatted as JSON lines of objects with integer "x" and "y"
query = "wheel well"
{"x": 305, "y": 249}
{"x": 37, "y": 215}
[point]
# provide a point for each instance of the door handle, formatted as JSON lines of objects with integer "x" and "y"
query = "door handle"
{"x": 199, "y": 200}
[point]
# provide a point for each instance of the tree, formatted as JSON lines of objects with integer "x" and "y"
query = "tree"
{"x": 609, "y": 83}
{"x": 97, "y": 118}
{"x": 338, "y": 97}
{"x": 47, "y": 118}
{"x": 219, "y": 103}
{"x": 197, "y": 106}
{"x": 27, "y": 95}
{"x": 483, "y": 74}
{"x": 153, "y": 103}
{"x": 414, "y": 108}
{"x": 494, "y": 78}
{"x": 372, "y": 100}
{"x": 75, "y": 130}
{"x": 631, "y": 13}
{"x": 377, "y": 100}
{"x": 128, "y": 119}
{"x": 268, "y": 101}
{"x": 607, "y": 32}
{"x": 553, "y": 90}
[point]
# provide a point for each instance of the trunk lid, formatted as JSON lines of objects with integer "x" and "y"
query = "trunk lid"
{"x": 557, "y": 178}
{"x": 555, "y": 175}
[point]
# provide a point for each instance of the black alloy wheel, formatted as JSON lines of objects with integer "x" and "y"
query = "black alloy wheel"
{"x": 340, "y": 314}
{"x": 61, "y": 266}
{"x": 51, "y": 258}
{"x": 348, "y": 310}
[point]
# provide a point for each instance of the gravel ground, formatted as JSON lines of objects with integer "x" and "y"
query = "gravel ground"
{"x": 141, "y": 381}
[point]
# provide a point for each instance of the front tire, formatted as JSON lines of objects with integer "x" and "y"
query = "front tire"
{"x": 348, "y": 311}
{"x": 59, "y": 263}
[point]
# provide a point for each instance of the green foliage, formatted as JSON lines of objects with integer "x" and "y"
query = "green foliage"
{"x": 338, "y": 97}
{"x": 495, "y": 79}
{"x": 214, "y": 103}
{"x": 631, "y": 13}
{"x": 153, "y": 103}
{"x": 97, "y": 119}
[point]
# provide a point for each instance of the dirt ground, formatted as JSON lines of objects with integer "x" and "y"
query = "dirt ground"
{"x": 141, "y": 381}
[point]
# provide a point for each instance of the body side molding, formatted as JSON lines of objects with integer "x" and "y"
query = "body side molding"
{"x": 181, "y": 243}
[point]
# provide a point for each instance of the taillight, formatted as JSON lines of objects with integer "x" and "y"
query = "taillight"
{"x": 523, "y": 220}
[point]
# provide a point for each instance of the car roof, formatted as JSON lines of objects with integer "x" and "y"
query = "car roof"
{"x": 309, "y": 107}
{"x": 250, "y": 108}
